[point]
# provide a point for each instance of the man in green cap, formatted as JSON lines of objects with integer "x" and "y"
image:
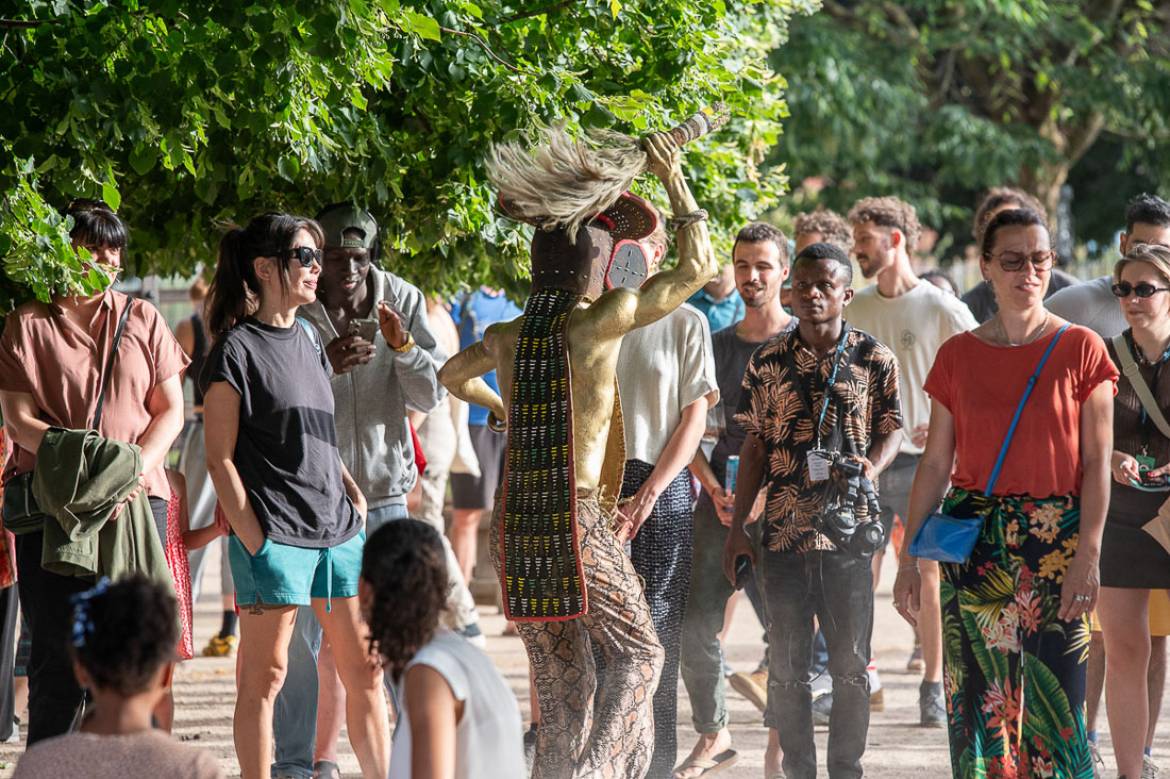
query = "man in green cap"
{"x": 385, "y": 362}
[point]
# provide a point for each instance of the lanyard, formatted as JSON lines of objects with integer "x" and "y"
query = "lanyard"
{"x": 802, "y": 391}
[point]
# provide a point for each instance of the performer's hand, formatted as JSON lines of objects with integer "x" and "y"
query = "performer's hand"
{"x": 737, "y": 545}
{"x": 662, "y": 156}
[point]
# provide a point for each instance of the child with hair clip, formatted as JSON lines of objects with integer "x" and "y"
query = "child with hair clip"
{"x": 123, "y": 649}
{"x": 456, "y": 713}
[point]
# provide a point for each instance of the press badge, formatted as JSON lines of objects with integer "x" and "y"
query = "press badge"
{"x": 819, "y": 462}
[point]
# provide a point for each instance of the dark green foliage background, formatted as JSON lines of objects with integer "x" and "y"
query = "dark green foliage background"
{"x": 188, "y": 115}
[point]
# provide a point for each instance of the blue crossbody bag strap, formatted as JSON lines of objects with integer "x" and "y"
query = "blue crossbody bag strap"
{"x": 1007, "y": 441}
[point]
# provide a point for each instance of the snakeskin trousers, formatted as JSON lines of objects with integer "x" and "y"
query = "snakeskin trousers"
{"x": 587, "y": 730}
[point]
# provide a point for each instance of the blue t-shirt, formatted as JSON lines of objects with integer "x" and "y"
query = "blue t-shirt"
{"x": 720, "y": 314}
{"x": 473, "y": 314}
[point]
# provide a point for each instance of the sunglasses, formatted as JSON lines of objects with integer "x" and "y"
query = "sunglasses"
{"x": 1143, "y": 289}
{"x": 1013, "y": 262}
{"x": 305, "y": 255}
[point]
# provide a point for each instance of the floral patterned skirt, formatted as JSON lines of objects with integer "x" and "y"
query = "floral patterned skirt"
{"x": 1014, "y": 671}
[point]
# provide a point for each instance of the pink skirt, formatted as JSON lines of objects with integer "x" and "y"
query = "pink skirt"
{"x": 176, "y": 553}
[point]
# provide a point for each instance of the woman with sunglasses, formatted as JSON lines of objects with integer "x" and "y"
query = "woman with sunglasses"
{"x": 1133, "y": 562}
{"x": 296, "y": 514}
{"x": 1015, "y": 623}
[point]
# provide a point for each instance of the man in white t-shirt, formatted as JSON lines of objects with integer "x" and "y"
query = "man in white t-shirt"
{"x": 666, "y": 380}
{"x": 913, "y": 318}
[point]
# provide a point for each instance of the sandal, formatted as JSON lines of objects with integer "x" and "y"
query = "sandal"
{"x": 326, "y": 769}
{"x": 725, "y": 759}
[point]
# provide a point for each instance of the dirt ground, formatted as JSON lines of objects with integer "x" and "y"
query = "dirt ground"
{"x": 898, "y": 747}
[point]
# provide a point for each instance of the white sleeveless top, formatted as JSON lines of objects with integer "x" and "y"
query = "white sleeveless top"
{"x": 489, "y": 733}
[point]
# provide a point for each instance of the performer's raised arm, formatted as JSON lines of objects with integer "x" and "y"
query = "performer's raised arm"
{"x": 667, "y": 290}
{"x": 461, "y": 375}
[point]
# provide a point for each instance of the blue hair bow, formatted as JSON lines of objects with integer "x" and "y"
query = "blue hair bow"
{"x": 82, "y": 623}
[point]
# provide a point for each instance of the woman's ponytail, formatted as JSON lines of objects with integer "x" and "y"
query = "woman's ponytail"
{"x": 231, "y": 296}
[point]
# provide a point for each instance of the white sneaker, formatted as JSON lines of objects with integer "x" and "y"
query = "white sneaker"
{"x": 1149, "y": 768}
{"x": 1098, "y": 763}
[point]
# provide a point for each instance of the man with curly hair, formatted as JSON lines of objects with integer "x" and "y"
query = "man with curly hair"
{"x": 980, "y": 299}
{"x": 821, "y": 226}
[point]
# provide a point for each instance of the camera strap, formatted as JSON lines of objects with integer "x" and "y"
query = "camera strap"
{"x": 803, "y": 392}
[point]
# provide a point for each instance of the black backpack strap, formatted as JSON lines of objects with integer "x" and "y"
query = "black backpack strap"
{"x": 97, "y": 414}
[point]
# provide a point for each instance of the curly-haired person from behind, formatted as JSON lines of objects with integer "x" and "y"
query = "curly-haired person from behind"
{"x": 457, "y": 716}
{"x": 123, "y": 648}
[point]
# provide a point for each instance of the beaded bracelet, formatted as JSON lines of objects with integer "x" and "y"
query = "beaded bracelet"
{"x": 677, "y": 223}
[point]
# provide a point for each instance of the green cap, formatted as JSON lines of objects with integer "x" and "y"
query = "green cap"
{"x": 336, "y": 220}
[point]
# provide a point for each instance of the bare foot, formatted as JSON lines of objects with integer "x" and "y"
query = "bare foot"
{"x": 708, "y": 746}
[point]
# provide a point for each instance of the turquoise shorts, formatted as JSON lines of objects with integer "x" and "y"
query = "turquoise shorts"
{"x": 283, "y": 575}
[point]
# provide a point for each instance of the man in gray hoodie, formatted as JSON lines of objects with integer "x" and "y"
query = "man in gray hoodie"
{"x": 385, "y": 362}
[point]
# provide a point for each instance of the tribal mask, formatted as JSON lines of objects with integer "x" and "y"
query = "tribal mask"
{"x": 607, "y": 253}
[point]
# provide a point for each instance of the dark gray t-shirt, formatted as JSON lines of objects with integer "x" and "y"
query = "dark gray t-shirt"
{"x": 732, "y": 354}
{"x": 286, "y": 448}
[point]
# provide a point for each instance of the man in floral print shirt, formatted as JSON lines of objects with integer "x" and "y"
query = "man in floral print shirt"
{"x": 802, "y": 573}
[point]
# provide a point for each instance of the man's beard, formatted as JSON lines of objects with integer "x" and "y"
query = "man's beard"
{"x": 868, "y": 269}
{"x": 759, "y": 300}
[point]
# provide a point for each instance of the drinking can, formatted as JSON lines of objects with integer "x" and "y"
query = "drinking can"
{"x": 732, "y": 473}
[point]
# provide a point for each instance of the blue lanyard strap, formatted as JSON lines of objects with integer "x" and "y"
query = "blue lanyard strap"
{"x": 832, "y": 380}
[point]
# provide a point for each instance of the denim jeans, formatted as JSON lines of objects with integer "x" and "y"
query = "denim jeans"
{"x": 294, "y": 717}
{"x": 837, "y": 589}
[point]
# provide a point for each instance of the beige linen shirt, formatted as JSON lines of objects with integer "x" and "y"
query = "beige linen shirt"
{"x": 46, "y": 355}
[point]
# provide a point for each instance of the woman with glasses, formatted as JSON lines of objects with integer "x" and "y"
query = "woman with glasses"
{"x": 57, "y": 370}
{"x": 1134, "y": 556}
{"x": 1015, "y": 623}
{"x": 296, "y": 514}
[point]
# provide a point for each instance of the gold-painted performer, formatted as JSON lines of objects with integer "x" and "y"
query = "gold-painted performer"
{"x": 556, "y": 536}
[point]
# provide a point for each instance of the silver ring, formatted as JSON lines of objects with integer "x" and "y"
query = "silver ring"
{"x": 1081, "y": 597}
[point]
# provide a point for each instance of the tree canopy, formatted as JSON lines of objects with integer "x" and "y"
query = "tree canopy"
{"x": 935, "y": 100}
{"x": 187, "y": 115}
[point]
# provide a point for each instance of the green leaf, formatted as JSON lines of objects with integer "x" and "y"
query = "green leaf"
{"x": 143, "y": 159}
{"x": 421, "y": 25}
{"x": 110, "y": 192}
{"x": 615, "y": 7}
{"x": 289, "y": 168}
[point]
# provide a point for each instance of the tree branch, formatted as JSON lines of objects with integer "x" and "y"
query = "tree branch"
{"x": 1082, "y": 138}
{"x": 24, "y": 24}
{"x": 484, "y": 45}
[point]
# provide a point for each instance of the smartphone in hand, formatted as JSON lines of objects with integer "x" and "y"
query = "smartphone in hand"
{"x": 366, "y": 329}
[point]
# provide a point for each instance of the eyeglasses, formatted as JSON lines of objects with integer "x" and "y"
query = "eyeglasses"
{"x": 305, "y": 255}
{"x": 1013, "y": 262}
{"x": 1142, "y": 289}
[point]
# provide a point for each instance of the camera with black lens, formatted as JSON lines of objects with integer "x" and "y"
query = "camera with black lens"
{"x": 846, "y": 490}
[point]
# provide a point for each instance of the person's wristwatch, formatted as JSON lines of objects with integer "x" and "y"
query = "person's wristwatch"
{"x": 407, "y": 345}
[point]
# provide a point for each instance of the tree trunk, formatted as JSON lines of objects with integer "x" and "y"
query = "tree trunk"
{"x": 1070, "y": 143}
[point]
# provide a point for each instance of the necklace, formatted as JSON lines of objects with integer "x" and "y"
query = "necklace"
{"x": 1009, "y": 342}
